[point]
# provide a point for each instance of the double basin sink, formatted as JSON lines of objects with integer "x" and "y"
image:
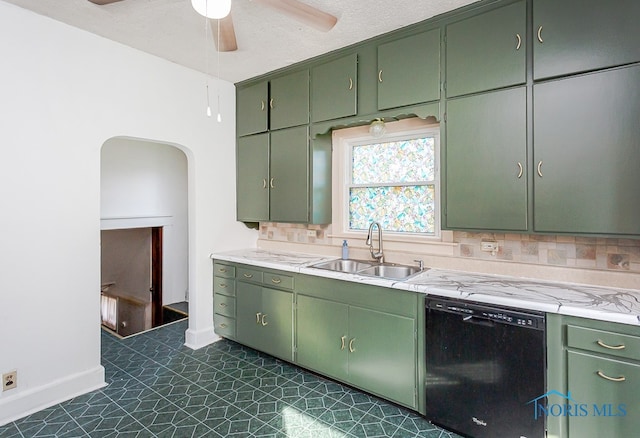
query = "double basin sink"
{"x": 390, "y": 271}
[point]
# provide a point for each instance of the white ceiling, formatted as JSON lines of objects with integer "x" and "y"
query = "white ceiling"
{"x": 267, "y": 40}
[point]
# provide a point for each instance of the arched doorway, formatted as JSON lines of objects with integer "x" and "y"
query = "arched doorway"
{"x": 144, "y": 232}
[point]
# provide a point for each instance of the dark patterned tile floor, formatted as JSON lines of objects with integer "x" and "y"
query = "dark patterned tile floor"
{"x": 160, "y": 388}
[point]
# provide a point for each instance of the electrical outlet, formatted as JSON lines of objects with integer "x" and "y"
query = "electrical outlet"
{"x": 311, "y": 233}
{"x": 9, "y": 380}
{"x": 489, "y": 246}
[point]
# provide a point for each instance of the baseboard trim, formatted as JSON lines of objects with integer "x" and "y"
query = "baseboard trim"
{"x": 196, "y": 339}
{"x": 33, "y": 400}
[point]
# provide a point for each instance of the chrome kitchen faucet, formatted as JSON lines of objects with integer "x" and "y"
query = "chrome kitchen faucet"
{"x": 379, "y": 256}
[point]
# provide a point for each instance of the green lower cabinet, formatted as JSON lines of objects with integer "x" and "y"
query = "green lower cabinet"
{"x": 264, "y": 319}
{"x": 382, "y": 354}
{"x": 606, "y": 391}
{"x": 321, "y": 331}
{"x": 372, "y": 350}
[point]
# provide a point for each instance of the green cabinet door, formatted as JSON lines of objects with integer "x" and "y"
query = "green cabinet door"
{"x": 322, "y": 336}
{"x": 382, "y": 354}
{"x": 607, "y": 388}
{"x": 264, "y": 319}
{"x": 573, "y": 36}
{"x": 289, "y": 101}
{"x": 487, "y": 51}
{"x": 409, "y": 70}
{"x": 276, "y": 323}
{"x": 586, "y": 153}
{"x": 252, "y": 167}
{"x": 289, "y": 182}
{"x": 334, "y": 89}
{"x": 249, "y": 330}
{"x": 252, "y": 109}
{"x": 485, "y": 159}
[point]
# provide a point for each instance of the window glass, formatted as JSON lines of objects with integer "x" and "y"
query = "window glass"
{"x": 394, "y": 183}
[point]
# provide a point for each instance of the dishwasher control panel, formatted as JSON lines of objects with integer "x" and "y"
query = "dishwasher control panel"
{"x": 505, "y": 315}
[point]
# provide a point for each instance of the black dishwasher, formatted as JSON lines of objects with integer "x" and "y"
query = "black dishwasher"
{"x": 484, "y": 364}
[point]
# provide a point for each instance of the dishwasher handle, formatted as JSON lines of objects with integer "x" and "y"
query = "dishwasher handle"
{"x": 471, "y": 319}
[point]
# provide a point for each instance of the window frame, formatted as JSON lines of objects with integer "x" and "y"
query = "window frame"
{"x": 343, "y": 141}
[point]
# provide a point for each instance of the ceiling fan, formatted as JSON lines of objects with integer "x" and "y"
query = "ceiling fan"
{"x": 225, "y": 36}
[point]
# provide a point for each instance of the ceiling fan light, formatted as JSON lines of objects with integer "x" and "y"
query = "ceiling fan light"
{"x": 215, "y": 9}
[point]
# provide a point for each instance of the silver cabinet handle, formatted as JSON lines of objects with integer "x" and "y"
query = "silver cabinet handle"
{"x": 610, "y": 347}
{"x": 540, "y": 34}
{"x": 350, "y": 83}
{"x": 276, "y": 280}
{"x": 271, "y": 183}
{"x": 223, "y": 325}
{"x": 245, "y": 275}
{"x": 519, "y": 39}
{"x": 380, "y": 76}
{"x": 342, "y": 340}
{"x": 223, "y": 285}
{"x": 258, "y": 317}
{"x": 540, "y": 169}
{"x": 222, "y": 270}
{"x": 520, "y": 170}
{"x": 271, "y": 103}
{"x": 613, "y": 379}
{"x": 264, "y": 183}
{"x": 262, "y": 106}
{"x": 223, "y": 304}
{"x": 351, "y": 348}
{"x": 263, "y": 321}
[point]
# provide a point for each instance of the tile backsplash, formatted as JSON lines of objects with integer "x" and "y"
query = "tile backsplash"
{"x": 604, "y": 254}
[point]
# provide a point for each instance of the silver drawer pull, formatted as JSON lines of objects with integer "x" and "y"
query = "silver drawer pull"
{"x": 223, "y": 304}
{"x": 276, "y": 280}
{"x": 248, "y": 275}
{"x": 222, "y": 270}
{"x": 223, "y": 325}
{"x": 613, "y": 379}
{"x": 222, "y": 285}
{"x": 610, "y": 347}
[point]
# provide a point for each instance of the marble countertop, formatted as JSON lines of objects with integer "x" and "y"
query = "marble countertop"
{"x": 607, "y": 304}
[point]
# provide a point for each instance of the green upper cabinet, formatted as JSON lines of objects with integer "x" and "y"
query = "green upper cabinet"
{"x": 487, "y": 51}
{"x": 334, "y": 87}
{"x": 573, "y": 36}
{"x": 252, "y": 109}
{"x": 289, "y": 175}
{"x": 289, "y": 100}
{"x": 252, "y": 173}
{"x": 409, "y": 70}
{"x": 486, "y": 156}
{"x": 586, "y": 153}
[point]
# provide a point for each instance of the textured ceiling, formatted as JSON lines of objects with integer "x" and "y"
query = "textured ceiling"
{"x": 267, "y": 40}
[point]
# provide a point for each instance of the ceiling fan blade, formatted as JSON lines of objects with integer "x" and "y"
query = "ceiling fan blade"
{"x": 304, "y": 13}
{"x": 103, "y": 2}
{"x": 227, "y": 42}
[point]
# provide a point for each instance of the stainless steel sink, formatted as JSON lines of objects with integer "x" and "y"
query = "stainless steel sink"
{"x": 349, "y": 266}
{"x": 384, "y": 270}
{"x": 391, "y": 271}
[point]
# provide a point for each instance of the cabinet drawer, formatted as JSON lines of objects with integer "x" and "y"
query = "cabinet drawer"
{"x": 224, "y": 305}
{"x": 604, "y": 342}
{"x": 253, "y": 275}
{"x": 224, "y": 286}
{"x": 277, "y": 280}
{"x": 225, "y": 326}
{"x": 221, "y": 270}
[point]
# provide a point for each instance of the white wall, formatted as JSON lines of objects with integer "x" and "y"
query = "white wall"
{"x": 144, "y": 184}
{"x": 64, "y": 92}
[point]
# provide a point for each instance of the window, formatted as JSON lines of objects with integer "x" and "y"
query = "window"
{"x": 392, "y": 180}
